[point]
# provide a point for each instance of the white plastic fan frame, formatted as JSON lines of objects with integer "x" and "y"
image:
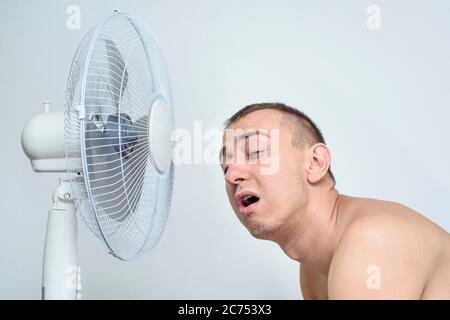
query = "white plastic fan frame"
{"x": 160, "y": 125}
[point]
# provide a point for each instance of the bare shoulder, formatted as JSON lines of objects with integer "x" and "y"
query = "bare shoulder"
{"x": 393, "y": 222}
{"x": 387, "y": 251}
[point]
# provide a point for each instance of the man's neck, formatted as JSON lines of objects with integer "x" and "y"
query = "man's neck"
{"x": 310, "y": 240}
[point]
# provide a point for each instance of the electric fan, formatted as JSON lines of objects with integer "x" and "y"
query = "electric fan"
{"x": 114, "y": 142}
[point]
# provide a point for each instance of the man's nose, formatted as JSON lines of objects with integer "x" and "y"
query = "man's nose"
{"x": 236, "y": 173}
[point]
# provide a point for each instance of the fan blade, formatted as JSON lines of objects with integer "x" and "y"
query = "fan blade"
{"x": 117, "y": 71}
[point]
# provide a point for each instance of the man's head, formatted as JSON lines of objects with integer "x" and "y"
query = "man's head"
{"x": 270, "y": 204}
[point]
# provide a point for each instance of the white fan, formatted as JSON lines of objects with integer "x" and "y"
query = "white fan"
{"x": 114, "y": 141}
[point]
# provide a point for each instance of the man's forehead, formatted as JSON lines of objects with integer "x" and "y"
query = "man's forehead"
{"x": 257, "y": 121}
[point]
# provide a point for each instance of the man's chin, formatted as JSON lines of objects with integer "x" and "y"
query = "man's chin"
{"x": 261, "y": 232}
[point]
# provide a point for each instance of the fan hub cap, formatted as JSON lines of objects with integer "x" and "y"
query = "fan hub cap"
{"x": 160, "y": 135}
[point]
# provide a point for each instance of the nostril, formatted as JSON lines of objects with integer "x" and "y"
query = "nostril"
{"x": 235, "y": 173}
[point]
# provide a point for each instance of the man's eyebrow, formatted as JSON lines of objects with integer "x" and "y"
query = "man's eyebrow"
{"x": 245, "y": 135}
{"x": 252, "y": 133}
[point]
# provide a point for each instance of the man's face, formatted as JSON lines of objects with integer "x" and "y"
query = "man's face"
{"x": 265, "y": 201}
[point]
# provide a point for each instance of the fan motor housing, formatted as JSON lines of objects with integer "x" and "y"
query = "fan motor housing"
{"x": 43, "y": 142}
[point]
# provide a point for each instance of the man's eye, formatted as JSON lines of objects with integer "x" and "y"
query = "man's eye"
{"x": 255, "y": 154}
{"x": 225, "y": 170}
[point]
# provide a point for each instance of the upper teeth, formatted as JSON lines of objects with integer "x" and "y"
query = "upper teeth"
{"x": 247, "y": 197}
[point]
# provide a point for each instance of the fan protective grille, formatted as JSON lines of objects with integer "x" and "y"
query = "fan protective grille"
{"x": 117, "y": 74}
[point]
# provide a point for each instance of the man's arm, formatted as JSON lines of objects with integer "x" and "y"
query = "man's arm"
{"x": 375, "y": 259}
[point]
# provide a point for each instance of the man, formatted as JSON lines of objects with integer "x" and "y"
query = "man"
{"x": 348, "y": 247}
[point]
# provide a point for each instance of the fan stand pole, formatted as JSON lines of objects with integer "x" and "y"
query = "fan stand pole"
{"x": 61, "y": 273}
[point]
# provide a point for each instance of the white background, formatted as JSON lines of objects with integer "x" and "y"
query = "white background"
{"x": 381, "y": 98}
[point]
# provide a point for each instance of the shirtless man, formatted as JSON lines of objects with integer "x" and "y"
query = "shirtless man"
{"x": 348, "y": 247}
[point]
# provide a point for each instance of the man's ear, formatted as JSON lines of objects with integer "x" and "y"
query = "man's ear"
{"x": 319, "y": 158}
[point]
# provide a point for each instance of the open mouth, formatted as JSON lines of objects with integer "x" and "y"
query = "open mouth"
{"x": 246, "y": 201}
